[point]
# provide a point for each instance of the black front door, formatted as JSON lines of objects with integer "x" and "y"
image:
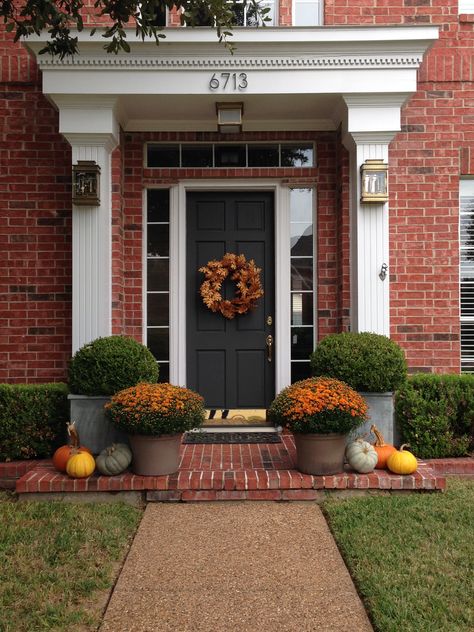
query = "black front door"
{"x": 228, "y": 361}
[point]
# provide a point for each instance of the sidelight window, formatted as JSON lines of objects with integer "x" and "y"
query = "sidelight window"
{"x": 157, "y": 278}
{"x": 467, "y": 274}
{"x": 302, "y": 281}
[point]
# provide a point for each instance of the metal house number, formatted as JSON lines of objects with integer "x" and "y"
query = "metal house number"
{"x": 233, "y": 81}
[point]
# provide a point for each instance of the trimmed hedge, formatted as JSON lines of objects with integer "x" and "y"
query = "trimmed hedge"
{"x": 435, "y": 414}
{"x": 108, "y": 365}
{"x": 368, "y": 362}
{"x": 32, "y": 420}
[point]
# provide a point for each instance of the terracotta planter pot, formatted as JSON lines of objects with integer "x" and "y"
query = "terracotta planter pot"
{"x": 155, "y": 456}
{"x": 320, "y": 453}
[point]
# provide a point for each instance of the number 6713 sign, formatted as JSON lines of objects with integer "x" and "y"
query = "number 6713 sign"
{"x": 230, "y": 81}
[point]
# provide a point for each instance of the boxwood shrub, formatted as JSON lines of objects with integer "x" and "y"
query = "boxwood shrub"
{"x": 108, "y": 365}
{"x": 367, "y": 362}
{"x": 435, "y": 414}
{"x": 32, "y": 420}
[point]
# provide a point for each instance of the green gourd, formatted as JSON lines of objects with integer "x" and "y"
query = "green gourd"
{"x": 114, "y": 459}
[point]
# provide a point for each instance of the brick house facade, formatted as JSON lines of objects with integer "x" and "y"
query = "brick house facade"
{"x": 427, "y": 155}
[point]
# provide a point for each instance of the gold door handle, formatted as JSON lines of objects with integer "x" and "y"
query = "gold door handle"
{"x": 269, "y": 341}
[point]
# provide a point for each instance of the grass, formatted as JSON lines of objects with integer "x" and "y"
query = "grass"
{"x": 411, "y": 557}
{"x": 55, "y": 558}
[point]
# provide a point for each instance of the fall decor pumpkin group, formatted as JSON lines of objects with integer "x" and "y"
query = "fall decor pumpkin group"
{"x": 246, "y": 276}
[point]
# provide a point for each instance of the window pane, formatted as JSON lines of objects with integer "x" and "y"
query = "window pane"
{"x": 158, "y": 205}
{"x": 297, "y": 155}
{"x": 163, "y": 156}
{"x": 158, "y": 309}
{"x": 300, "y": 371}
{"x": 230, "y": 156}
{"x": 196, "y": 155}
{"x": 164, "y": 372}
{"x": 160, "y": 15}
{"x": 301, "y": 239}
{"x": 158, "y": 343}
{"x": 158, "y": 273}
{"x": 301, "y": 342}
{"x": 306, "y": 14}
{"x": 302, "y": 308}
{"x": 158, "y": 240}
{"x": 263, "y": 155}
{"x": 302, "y": 274}
{"x": 301, "y": 205}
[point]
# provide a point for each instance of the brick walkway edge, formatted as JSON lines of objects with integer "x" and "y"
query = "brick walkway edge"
{"x": 231, "y": 472}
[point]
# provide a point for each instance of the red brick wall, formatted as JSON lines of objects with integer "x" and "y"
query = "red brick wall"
{"x": 35, "y": 227}
{"x": 437, "y": 127}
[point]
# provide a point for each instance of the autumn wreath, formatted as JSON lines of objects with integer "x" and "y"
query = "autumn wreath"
{"x": 244, "y": 273}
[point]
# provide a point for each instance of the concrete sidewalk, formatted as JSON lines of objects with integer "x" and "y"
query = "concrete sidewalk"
{"x": 243, "y": 567}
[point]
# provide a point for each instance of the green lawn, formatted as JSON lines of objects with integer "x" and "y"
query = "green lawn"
{"x": 56, "y": 561}
{"x": 411, "y": 557}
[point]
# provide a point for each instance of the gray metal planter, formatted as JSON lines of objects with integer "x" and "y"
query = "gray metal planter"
{"x": 96, "y": 432}
{"x": 381, "y": 413}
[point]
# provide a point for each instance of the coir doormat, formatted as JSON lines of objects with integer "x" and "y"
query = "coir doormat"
{"x": 231, "y": 437}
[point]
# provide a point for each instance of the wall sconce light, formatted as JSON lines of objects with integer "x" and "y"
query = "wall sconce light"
{"x": 229, "y": 117}
{"x": 86, "y": 183}
{"x": 374, "y": 182}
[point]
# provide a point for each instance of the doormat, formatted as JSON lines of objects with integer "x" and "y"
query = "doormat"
{"x": 231, "y": 437}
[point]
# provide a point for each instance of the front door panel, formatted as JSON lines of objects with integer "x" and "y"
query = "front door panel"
{"x": 227, "y": 360}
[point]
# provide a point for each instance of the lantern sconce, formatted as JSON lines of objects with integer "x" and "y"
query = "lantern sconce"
{"x": 86, "y": 183}
{"x": 229, "y": 117}
{"x": 374, "y": 182}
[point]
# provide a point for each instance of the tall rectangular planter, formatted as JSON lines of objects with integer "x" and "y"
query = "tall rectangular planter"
{"x": 96, "y": 432}
{"x": 381, "y": 413}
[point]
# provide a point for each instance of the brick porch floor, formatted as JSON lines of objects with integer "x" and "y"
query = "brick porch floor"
{"x": 231, "y": 472}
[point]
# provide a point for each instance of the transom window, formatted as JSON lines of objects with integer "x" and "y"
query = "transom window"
{"x": 230, "y": 155}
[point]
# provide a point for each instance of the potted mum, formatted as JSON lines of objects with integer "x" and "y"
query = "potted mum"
{"x": 320, "y": 412}
{"x": 373, "y": 365}
{"x": 98, "y": 370}
{"x": 154, "y": 416}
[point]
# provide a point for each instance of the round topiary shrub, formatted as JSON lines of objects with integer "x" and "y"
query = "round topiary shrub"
{"x": 367, "y": 362}
{"x": 108, "y": 365}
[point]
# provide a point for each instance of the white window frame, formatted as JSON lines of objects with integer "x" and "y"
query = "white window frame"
{"x": 320, "y": 12}
{"x": 466, "y": 6}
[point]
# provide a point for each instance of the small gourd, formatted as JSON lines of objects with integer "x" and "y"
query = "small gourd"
{"x": 62, "y": 454}
{"x": 114, "y": 459}
{"x": 384, "y": 450}
{"x": 402, "y": 461}
{"x": 361, "y": 456}
{"x": 80, "y": 464}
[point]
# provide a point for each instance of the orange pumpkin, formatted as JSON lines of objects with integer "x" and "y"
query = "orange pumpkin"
{"x": 62, "y": 454}
{"x": 383, "y": 449}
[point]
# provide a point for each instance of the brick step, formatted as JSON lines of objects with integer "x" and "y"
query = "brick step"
{"x": 230, "y": 472}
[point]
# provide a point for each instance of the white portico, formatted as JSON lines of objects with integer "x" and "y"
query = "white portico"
{"x": 288, "y": 79}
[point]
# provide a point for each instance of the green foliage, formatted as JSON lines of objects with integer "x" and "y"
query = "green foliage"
{"x": 435, "y": 414}
{"x": 57, "y": 560}
{"x": 62, "y": 18}
{"x": 411, "y": 557}
{"x": 107, "y": 365}
{"x": 367, "y": 362}
{"x": 32, "y": 419}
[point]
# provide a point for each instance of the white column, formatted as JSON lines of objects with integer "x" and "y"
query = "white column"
{"x": 372, "y": 122}
{"x": 91, "y": 229}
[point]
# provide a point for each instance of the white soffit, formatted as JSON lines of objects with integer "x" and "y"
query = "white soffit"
{"x": 316, "y": 64}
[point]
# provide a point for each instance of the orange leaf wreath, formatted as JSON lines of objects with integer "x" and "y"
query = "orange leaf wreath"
{"x": 244, "y": 273}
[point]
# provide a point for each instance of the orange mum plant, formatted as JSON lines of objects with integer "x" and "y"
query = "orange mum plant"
{"x": 156, "y": 409}
{"x": 319, "y": 405}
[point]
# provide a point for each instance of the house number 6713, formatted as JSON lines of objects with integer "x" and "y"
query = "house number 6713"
{"x": 228, "y": 81}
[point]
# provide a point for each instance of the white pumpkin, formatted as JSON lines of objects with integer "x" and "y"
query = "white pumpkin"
{"x": 361, "y": 456}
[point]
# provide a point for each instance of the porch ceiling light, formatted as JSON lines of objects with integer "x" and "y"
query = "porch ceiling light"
{"x": 374, "y": 182}
{"x": 86, "y": 183}
{"x": 229, "y": 117}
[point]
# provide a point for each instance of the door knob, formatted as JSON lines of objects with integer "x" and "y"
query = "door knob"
{"x": 269, "y": 341}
